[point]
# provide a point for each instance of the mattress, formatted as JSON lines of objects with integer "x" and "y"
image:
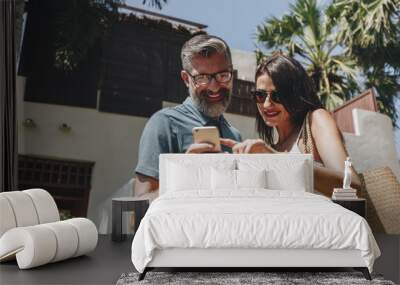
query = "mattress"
{"x": 250, "y": 219}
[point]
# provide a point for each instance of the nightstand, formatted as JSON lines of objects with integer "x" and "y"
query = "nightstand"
{"x": 125, "y": 204}
{"x": 358, "y": 205}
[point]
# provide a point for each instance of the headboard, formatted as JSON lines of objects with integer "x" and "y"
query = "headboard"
{"x": 212, "y": 159}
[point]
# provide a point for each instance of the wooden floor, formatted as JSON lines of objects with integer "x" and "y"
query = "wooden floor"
{"x": 110, "y": 260}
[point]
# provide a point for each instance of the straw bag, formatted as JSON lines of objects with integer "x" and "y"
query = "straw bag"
{"x": 308, "y": 142}
{"x": 379, "y": 187}
{"x": 382, "y": 192}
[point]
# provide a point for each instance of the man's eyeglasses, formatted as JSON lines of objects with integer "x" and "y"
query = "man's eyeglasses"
{"x": 261, "y": 95}
{"x": 205, "y": 79}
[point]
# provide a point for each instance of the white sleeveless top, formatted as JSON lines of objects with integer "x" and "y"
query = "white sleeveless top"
{"x": 295, "y": 148}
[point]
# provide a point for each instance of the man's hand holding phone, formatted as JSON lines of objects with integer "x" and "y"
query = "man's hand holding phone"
{"x": 206, "y": 140}
{"x": 201, "y": 148}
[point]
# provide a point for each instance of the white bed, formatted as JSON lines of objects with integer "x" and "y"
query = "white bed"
{"x": 214, "y": 211}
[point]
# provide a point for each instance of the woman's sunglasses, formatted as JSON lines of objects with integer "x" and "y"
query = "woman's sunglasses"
{"x": 261, "y": 95}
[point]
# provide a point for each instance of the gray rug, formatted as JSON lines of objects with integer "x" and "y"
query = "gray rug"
{"x": 229, "y": 278}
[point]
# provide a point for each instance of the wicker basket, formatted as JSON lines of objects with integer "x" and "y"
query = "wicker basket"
{"x": 382, "y": 192}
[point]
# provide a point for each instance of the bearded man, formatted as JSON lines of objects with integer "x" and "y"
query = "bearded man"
{"x": 208, "y": 74}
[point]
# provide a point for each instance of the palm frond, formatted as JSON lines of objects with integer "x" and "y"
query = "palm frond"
{"x": 155, "y": 3}
{"x": 340, "y": 45}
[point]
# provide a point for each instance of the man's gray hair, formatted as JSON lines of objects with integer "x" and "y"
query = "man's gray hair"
{"x": 205, "y": 46}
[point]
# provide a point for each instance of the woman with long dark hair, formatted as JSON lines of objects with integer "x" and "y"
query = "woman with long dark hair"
{"x": 291, "y": 118}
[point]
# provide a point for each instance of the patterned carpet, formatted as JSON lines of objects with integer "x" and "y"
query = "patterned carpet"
{"x": 273, "y": 278}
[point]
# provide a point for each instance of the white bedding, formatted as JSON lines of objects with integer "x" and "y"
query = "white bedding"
{"x": 252, "y": 218}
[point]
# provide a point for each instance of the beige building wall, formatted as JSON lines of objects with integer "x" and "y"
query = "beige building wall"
{"x": 245, "y": 62}
{"x": 373, "y": 144}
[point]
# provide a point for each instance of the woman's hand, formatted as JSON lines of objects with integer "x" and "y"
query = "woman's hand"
{"x": 248, "y": 146}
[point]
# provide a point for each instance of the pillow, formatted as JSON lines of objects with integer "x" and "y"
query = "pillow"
{"x": 251, "y": 178}
{"x": 292, "y": 179}
{"x": 187, "y": 175}
{"x": 183, "y": 177}
{"x": 281, "y": 174}
{"x": 224, "y": 179}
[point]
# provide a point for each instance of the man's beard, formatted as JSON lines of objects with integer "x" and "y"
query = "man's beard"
{"x": 211, "y": 109}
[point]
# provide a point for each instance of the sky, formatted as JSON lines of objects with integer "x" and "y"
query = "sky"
{"x": 230, "y": 19}
{"x": 233, "y": 20}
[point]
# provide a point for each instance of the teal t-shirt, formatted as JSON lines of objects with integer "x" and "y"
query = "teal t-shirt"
{"x": 170, "y": 131}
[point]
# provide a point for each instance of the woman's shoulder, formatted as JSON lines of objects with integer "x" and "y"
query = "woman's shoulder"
{"x": 321, "y": 119}
{"x": 324, "y": 131}
{"x": 320, "y": 114}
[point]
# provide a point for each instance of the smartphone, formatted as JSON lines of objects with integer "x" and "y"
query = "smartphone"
{"x": 207, "y": 135}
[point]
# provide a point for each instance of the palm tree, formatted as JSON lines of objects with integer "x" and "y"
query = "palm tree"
{"x": 306, "y": 34}
{"x": 369, "y": 31}
{"x": 155, "y": 3}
